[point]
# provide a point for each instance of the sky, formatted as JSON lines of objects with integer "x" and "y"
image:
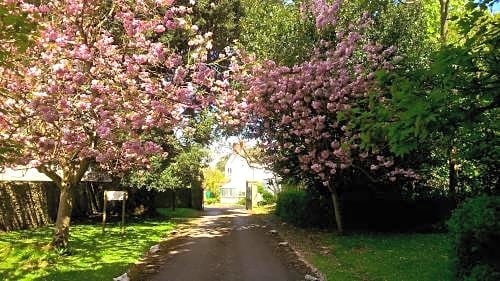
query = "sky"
{"x": 496, "y": 7}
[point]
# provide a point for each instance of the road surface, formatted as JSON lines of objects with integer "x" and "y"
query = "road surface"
{"x": 226, "y": 244}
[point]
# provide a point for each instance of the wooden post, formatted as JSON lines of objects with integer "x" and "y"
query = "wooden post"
{"x": 123, "y": 213}
{"x": 104, "y": 212}
{"x": 114, "y": 196}
{"x": 248, "y": 196}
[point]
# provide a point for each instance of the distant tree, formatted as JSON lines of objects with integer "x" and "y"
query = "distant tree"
{"x": 221, "y": 164}
{"x": 213, "y": 180}
{"x": 175, "y": 173}
{"x": 274, "y": 29}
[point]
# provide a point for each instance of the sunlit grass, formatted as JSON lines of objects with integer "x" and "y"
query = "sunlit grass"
{"x": 264, "y": 210}
{"x": 398, "y": 257}
{"x": 93, "y": 256}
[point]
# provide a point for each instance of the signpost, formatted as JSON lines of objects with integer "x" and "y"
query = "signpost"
{"x": 114, "y": 196}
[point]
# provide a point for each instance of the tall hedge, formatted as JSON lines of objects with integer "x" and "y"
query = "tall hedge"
{"x": 304, "y": 208}
{"x": 475, "y": 230}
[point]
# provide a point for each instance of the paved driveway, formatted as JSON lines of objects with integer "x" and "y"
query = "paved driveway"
{"x": 226, "y": 244}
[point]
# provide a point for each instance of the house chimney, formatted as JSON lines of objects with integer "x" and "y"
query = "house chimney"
{"x": 238, "y": 147}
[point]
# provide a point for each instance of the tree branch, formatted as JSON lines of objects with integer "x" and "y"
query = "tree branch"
{"x": 372, "y": 179}
{"x": 51, "y": 174}
{"x": 82, "y": 168}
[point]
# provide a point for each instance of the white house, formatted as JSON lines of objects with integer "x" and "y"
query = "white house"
{"x": 238, "y": 171}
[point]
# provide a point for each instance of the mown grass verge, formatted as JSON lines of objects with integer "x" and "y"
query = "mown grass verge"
{"x": 366, "y": 256}
{"x": 93, "y": 256}
{"x": 398, "y": 257}
{"x": 178, "y": 213}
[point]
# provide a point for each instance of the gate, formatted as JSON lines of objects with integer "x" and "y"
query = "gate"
{"x": 251, "y": 195}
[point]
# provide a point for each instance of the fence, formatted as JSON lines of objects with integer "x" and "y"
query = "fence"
{"x": 26, "y": 205}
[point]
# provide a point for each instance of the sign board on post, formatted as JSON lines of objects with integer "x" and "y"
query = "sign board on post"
{"x": 114, "y": 196}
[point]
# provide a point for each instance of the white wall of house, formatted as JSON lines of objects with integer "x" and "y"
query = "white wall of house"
{"x": 238, "y": 172}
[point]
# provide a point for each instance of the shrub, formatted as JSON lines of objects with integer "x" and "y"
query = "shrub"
{"x": 303, "y": 208}
{"x": 211, "y": 200}
{"x": 482, "y": 273}
{"x": 291, "y": 206}
{"x": 267, "y": 197}
{"x": 475, "y": 231}
{"x": 242, "y": 201}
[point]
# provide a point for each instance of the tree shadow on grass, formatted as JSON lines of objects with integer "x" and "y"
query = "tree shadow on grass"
{"x": 92, "y": 255}
{"x": 101, "y": 272}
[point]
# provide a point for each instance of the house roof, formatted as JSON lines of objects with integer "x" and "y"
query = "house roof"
{"x": 31, "y": 174}
{"x": 22, "y": 174}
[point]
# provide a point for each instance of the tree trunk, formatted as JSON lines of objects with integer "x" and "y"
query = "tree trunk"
{"x": 443, "y": 11}
{"x": 196, "y": 193}
{"x": 337, "y": 210}
{"x": 61, "y": 231}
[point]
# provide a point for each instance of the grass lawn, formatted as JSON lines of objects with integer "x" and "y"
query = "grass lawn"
{"x": 94, "y": 256}
{"x": 398, "y": 257}
{"x": 178, "y": 213}
{"x": 263, "y": 210}
{"x": 372, "y": 257}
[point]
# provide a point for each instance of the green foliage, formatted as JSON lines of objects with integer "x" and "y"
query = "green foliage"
{"x": 186, "y": 166}
{"x": 399, "y": 25}
{"x": 302, "y": 208}
{"x": 475, "y": 230}
{"x": 220, "y": 17}
{"x": 242, "y": 201}
{"x": 213, "y": 179}
{"x": 221, "y": 164}
{"x": 212, "y": 200}
{"x": 275, "y": 30}
{"x": 14, "y": 28}
{"x": 482, "y": 273}
{"x": 409, "y": 257}
{"x": 176, "y": 172}
{"x": 202, "y": 132}
{"x": 267, "y": 197}
{"x": 291, "y": 206}
{"x": 93, "y": 256}
{"x": 447, "y": 109}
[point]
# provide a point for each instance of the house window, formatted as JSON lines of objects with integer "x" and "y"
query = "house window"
{"x": 231, "y": 192}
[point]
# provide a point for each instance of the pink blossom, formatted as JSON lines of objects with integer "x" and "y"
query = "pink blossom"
{"x": 316, "y": 167}
{"x": 159, "y": 28}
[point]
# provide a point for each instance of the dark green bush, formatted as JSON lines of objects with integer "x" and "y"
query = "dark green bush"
{"x": 291, "y": 205}
{"x": 482, "y": 273}
{"x": 303, "y": 208}
{"x": 475, "y": 230}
